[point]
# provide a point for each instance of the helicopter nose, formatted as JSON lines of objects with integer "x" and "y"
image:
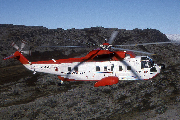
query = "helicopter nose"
{"x": 162, "y": 66}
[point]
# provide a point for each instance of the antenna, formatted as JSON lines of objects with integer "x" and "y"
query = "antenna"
{"x": 105, "y": 40}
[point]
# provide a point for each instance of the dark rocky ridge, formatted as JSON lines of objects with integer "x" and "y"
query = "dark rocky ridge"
{"x": 41, "y": 36}
{"x": 39, "y": 96}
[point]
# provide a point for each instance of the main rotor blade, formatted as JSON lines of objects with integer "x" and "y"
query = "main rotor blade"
{"x": 145, "y": 44}
{"x": 15, "y": 46}
{"x": 113, "y": 36}
{"x": 64, "y": 46}
{"x": 133, "y": 51}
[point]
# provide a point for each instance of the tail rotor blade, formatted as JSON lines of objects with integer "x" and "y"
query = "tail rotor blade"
{"x": 26, "y": 52}
{"x": 22, "y": 44}
{"x": 113, "y": 36}
{"x": 15, "y": 46}
{"x": 65, "y": 46}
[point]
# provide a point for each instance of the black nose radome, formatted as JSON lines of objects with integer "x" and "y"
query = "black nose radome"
{"x": 162, "y": 66}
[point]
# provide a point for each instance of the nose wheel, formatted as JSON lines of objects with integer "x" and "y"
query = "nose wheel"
{"x": 61, "y": 83}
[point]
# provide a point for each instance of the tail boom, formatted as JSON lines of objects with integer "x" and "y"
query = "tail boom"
{"x": 9, "y": 57}
{"x": 18, "y": 56}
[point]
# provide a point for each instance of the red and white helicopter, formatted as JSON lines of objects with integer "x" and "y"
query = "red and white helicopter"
{"x": 103, "y": 65}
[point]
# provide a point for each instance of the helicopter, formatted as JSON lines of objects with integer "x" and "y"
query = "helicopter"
{"x": 102, "y": 65}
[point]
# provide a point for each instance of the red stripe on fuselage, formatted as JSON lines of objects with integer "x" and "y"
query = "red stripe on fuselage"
{"x": 88, "y": 58}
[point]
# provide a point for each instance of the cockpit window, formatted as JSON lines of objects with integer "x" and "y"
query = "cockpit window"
{"x": 151, "y": 63}
{"x": 146, "y": 62}
{"x": 104, "y": 57}
{"x": 144, "y": 58}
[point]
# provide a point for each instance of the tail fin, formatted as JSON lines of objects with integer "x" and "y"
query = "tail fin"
{"x": 18, "y": 56}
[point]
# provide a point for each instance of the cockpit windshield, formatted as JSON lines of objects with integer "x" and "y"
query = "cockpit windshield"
{"x": 151, "y": 63}
{"x": 146, "y": 62}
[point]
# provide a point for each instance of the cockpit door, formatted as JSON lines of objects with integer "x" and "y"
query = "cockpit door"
{"x": 112, "y": 68}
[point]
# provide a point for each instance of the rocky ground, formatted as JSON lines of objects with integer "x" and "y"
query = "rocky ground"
{"x": 28, "y": 96}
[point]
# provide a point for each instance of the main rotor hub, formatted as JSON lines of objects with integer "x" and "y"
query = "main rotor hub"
{"x": 106, "y": 46}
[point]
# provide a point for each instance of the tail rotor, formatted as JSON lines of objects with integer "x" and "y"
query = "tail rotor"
{"x": 23, "y": 43}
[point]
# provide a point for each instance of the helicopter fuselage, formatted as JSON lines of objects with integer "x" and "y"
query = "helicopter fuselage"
{"x": 99, "y": 66}
{"x": 102, "y": 65}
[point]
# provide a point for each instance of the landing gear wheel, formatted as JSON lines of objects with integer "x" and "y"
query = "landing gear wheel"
{"x": 60, "y": 83}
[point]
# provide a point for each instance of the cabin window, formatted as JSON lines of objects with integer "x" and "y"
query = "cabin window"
{"x": 105, "y": 68}
{"x": 97, "y": 68}
{"x": 69, "y": 69}
{"x": 128, "y": 67}
{"x": 75, "y": 68}
{"x": 120, "y": 68}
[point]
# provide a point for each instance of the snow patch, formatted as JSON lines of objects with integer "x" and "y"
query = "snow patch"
{"x": 173, "y": 37}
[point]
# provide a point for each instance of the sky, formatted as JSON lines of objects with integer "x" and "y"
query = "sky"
{"x": 163, "y": 15}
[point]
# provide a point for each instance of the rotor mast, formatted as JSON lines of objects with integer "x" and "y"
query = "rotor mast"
{"x": 106, "y": 46}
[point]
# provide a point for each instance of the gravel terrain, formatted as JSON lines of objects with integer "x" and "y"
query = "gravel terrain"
{"x": 28, "y": 96}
